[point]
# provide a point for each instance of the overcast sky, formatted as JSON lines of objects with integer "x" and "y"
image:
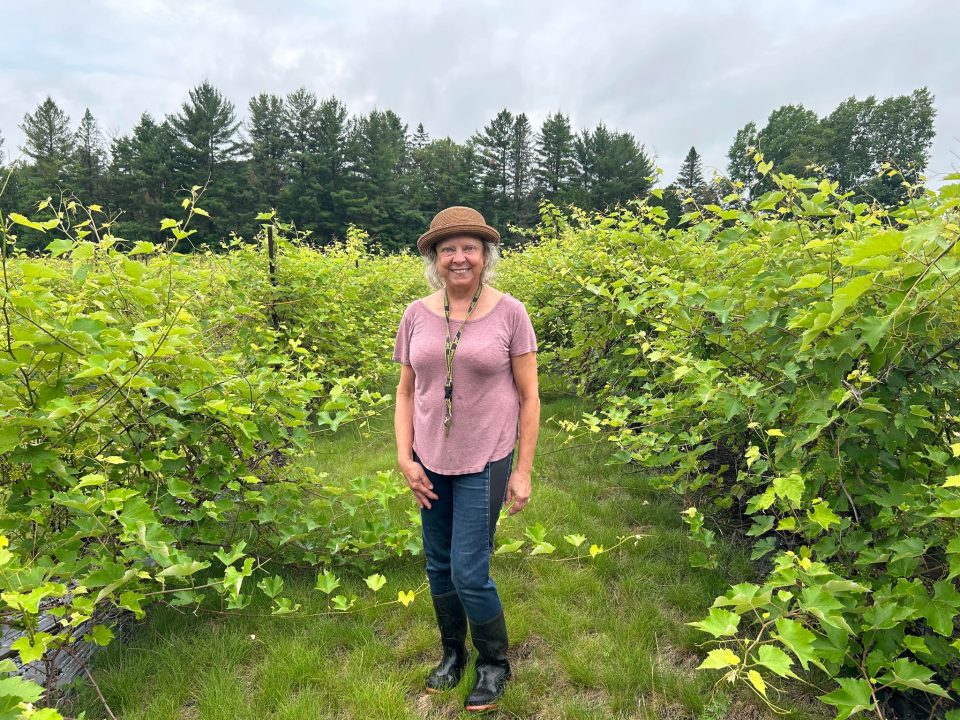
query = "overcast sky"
{"x": 674, "y": 74}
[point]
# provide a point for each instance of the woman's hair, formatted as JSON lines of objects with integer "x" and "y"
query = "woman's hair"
{"x": 491, "y": 255}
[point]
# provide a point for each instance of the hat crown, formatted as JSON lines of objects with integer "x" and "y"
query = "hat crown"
{"x": 456, "y": 220}
{"x": 456, "y": 215}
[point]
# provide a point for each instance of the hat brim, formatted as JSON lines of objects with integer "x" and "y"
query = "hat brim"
{"x": 432, "y": 237}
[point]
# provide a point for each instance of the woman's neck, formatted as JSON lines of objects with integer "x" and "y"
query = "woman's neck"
{"x": 460, "y": 295}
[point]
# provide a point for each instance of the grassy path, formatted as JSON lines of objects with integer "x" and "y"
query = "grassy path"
{"x": 593, "y": 639}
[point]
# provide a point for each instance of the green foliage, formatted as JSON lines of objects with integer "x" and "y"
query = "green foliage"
{"x": 791, "y": 371}
{"x": 151, "y": 408}
{"x": 17, "y": 697}
{"x": 852, "y": 145}
{"x": 323, "y": 169}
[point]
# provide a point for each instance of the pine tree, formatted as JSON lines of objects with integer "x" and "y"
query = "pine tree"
{"x": 302, "y": 197}
{"x": 142, "y": 178}
{"x": 49, "y": 142}
{"x": 379, "y": 148}
{"x": 207, "y": 153}
{"x": 316, "y": 197}
{"x": 333, "y": 132}
{"x": 555, "y": 160}
{"x": 493, "y": 148}
{"x": 206, "y": 130}
{"x": 446, "y": 172}
{"x": 690, "y": 178}
{"x": 418, "y": 193}
{"x": 335, "y": 211}
{"x": 611, "y": 168}
{"x": 583, "y": 177}
{"x": 268, "y": 148}
{"x": 90, "y": 159}
{"x": 520, "y": 160}
{"x": 420, "y": 138}
{"x": 690, "y": 182}
{"x": 301, "y": 120}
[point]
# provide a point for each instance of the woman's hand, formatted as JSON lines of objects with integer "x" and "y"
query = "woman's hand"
{"x": 418, "y": 482}
{"x": 518, "y": 491}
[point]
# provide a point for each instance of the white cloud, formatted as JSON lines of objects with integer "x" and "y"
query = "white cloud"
{"x": 687, "y": 73}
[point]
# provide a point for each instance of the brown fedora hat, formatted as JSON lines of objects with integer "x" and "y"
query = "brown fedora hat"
{"x": 456, "y": 220}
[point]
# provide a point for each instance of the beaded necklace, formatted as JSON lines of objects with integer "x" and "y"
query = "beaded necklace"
{"x": 450, "y": 350}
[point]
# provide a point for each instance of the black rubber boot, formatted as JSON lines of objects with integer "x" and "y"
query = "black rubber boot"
{"x": 452, "y": 621}
{"x": 493, "y": 670}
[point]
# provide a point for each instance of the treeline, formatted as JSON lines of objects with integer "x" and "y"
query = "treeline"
{"x": 322, "y": 168}
{"x": 851, "y": 146}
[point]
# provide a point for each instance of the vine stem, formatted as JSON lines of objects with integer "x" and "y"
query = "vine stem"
{"x": 96, "y": 687}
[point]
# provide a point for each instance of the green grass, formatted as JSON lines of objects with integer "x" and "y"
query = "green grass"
{"x": 603, "y": 638}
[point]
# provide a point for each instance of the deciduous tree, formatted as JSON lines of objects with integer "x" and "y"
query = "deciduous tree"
{"x": 740, "y": 164}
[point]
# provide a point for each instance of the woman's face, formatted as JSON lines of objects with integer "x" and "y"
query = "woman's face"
{"x": 460, "y": 260}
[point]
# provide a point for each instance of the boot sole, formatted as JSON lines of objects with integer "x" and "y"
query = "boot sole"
{"x": 481, "y": 708}
{"x": 440, "y": 690}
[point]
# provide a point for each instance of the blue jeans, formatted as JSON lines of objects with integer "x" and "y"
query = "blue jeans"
{"x": 458, "y": 535}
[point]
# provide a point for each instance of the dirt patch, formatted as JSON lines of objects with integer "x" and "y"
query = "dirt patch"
{"x": 612, "y": 492}
{"x": 663, "y": 709}
{"x": 740, "y": 710}
{"x": 189, "y": 710}
{"x": 433, "y": 707}
{"x": 594, "y": 697}
{"x": 528, "y": 648}
{"x": 676, "y": 658}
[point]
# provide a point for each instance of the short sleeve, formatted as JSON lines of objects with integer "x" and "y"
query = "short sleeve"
{"x": 524, "y": 339}
{"x": 401, "y": 348}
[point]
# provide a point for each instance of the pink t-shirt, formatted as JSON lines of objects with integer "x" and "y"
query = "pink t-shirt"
{"x": 486, "y": 404}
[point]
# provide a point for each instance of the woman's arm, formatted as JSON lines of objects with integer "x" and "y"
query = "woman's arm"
{"x": 525, "y": 377}
{"x": 413, "y": 472}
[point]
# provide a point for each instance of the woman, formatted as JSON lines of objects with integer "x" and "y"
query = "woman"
{"x": 468, "y": 388}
